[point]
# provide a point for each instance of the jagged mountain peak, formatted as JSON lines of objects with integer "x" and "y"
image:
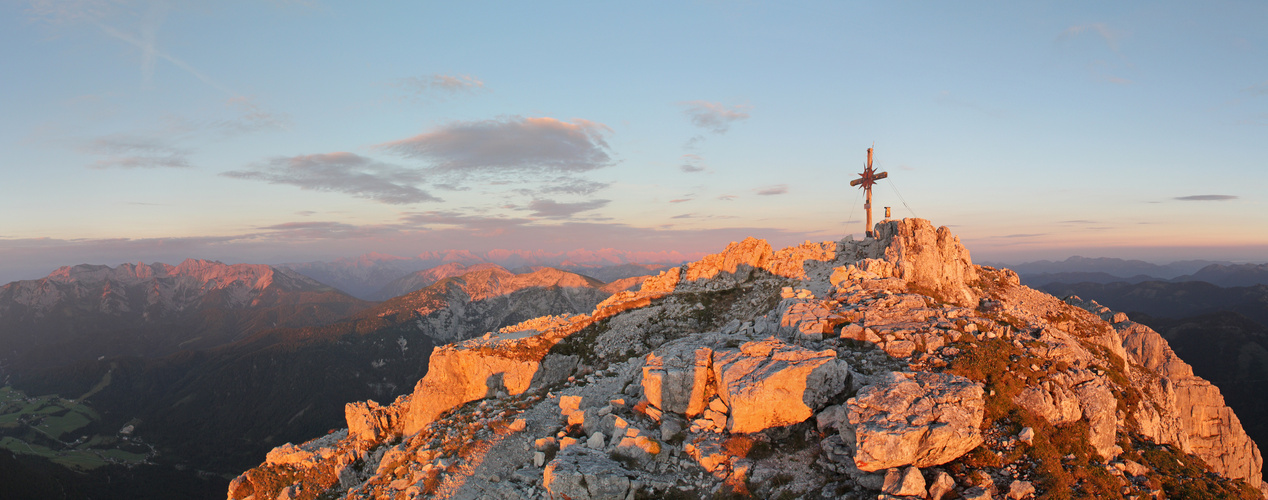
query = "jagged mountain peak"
{"x": 485, "y": 279}
{"x": 421, "y": 279}
{"x": 92, "y": 273}
{"x": 212, "y": 274}
{"x": 374, "y": 257}
{"x": 475, "y": 283}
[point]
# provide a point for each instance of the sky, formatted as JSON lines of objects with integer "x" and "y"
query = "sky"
{"x": 281, "y": 131}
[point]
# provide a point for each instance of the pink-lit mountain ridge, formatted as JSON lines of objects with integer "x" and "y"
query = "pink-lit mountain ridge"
{"x": 90, "y": 311}
{"x": 374, "y": 276}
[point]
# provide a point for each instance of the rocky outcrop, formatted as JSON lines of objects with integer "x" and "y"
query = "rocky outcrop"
{"x": 507, "y": 363}
{"x": 1202, "y": 424}
{"x": 1073, "y": 395}
{"x": 920, "y": 419}
{"x": 930, "y": 259}
{"x": 367, "y": 421}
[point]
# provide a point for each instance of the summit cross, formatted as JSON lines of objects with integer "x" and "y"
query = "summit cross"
{"x": 866, "y": 179}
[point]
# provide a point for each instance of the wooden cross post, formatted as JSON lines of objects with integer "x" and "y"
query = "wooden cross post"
{"x": 866, "y": 179}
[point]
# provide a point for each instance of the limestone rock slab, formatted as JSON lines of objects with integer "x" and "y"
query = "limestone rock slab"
{"x": 770, "y": 383}
{"x": 921, "y": 419}
{"x": 585, "y": 474}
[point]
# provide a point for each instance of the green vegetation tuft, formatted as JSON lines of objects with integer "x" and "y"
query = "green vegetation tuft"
{"x": 1185, "y": 476}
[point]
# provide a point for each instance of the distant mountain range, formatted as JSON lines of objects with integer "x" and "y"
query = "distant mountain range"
{"x": 1110, "y": 270}
{"x": 1171, "y": 300}
{"x": 1231, "y": 275}
{"x": 212, "y": 365}
{"x": 87, "y": 312}
{"x": 373, "y": 276}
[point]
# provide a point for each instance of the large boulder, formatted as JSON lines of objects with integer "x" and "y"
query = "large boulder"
{"x": 762, "y": 384}
{"x": 770, "y": 383}
{"x": 367, "y": 421}
{"x": 676, "y": 378}
{"x": 1077, "y": 394}
{"x": 921, "y": 419}
{"x": 1056, "y": 403}
{"x": 580, "y": 473}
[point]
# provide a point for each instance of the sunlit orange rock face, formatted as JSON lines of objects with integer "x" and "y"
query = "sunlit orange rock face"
{"x": 761, "y": 385}
{"x": 770, "y": 384}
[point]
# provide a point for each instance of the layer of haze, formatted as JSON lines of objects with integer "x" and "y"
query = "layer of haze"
{"x": 287, "y": 131}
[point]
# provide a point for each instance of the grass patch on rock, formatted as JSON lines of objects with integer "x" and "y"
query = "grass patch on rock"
{"x": 1186, "y": 476}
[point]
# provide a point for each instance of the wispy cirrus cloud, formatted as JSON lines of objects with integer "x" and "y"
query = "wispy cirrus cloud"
{"x": 251, "y": 117}
{"x": 571, "y": 185}
{"x": 245, "y": 115}
{"x": 772, "y": 190}
{"x": 1101, "y": 69}
{"x": 1024, "y": 235}
{"x": 325, "y": 230}
{"x": 161, "y": 146}
{"x": 692, "y": 163}
{"x": 555, "y": 210}
{"x": 459, "y": 219}
{"x": 342, "y": 172}
{"x": 1101, "y": 30}
{"x": 714, "y": 116}
{"x": 107, "y": 15}
{"x": 451, "y": 84}
{"x": 1258, "y": 89}
{"x": 132, "y": 151}
{"x": 1206, "y": 197}
{"x": 946, "y": 98}
{"x": 511, "y": 145}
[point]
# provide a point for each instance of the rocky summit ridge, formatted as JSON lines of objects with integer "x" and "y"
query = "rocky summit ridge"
{"x": 891, "y": 367}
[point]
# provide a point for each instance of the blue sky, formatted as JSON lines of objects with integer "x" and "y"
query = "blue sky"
{"x": 286, "y": 131}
